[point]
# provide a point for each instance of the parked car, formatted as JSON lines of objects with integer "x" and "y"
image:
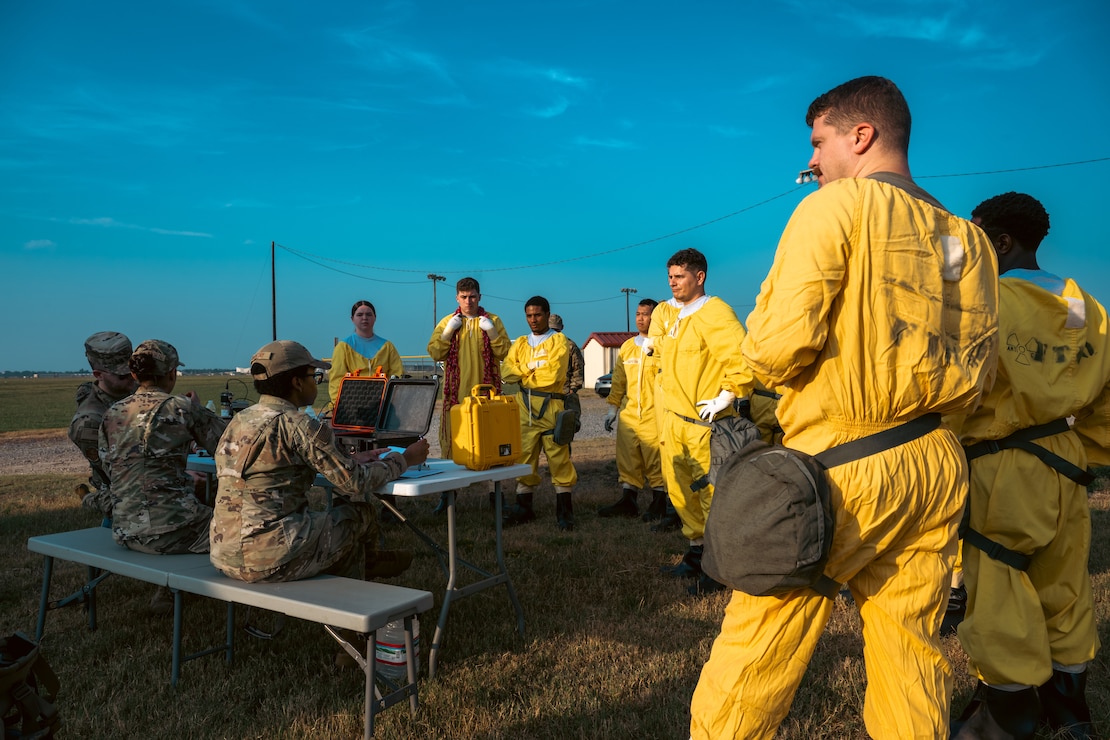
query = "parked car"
{"x": 604, "y": 384}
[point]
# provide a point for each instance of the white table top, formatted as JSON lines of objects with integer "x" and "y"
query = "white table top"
{"x": 447, "y": 476}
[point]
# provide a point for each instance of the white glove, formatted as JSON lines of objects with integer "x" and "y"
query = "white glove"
{"x": 713, "y": 406}
{"x": 453, "y": 326}
{"x": 610, "y": 418}
{"x": 648, "y": 346}
{"x": 485, "y": 324}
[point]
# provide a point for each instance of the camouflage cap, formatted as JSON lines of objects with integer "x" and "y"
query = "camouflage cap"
{"x": 555, "y": 321}
{"x": 277, "y": 357}
{"x": 109, "y": 351}
{"x": 163, "y": 354}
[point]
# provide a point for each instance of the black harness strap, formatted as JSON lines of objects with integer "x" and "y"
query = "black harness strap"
{"x": 1022, "y": 439}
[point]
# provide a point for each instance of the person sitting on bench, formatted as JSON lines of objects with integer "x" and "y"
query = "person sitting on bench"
{"x": 263, "y": 529}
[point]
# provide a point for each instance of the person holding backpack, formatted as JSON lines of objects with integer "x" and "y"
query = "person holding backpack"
{"x": 1030, "y": 628}
{"x": 881, "y": 308}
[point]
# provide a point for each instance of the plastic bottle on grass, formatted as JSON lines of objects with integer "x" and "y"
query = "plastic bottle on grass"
{"x": 390, "y": 654}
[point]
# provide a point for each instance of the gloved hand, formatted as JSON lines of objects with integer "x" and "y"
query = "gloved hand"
{"x": 485, "y": 324}
{"x": 453, "y": 326}
{"x": 610, "y": 418}
{"x": 535, "y": 364}
{"x": 709, "y": 408}
{"x": 648, "y": 347}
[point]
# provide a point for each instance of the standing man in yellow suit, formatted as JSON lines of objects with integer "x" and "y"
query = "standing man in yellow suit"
{"x": 633, "y": 397}
{"x": 539, "y": 362}
{"x": 471, "y": 343}
{"x": 1030, "y": 625}
{"x": 880, "y": 307}
{"x": 702, "y": 373}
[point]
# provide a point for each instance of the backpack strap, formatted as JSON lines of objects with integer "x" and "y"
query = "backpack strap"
{"x": 873, "y": 444}
{"x": 1022, "y": 439}
{"x": 864, "y": 447}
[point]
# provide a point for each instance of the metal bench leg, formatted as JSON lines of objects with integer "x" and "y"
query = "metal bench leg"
{"x": 178, "y": 606}
{"x": 44, "y": 599}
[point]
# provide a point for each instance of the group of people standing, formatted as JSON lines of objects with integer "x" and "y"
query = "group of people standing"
{"x": 881, "y": 307}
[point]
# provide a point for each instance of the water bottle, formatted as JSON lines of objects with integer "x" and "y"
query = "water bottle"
{"x": 211, "y": 405}
{"x": 390, "y": 653}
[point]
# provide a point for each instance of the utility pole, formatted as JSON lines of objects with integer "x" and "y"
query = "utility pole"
{"x": 435, "y": 279}
{"x": 627, "y": 320}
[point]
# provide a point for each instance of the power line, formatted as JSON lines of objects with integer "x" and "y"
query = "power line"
{"x": 307, "y": 255}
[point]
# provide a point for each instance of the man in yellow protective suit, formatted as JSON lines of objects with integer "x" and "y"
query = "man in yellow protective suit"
{"x": 1030, "y": 627}
{"x": 633, "y": 394}
{"x": 471, "y": 343}
{"x": 702, "y": 374}
{"x": 538, "y": 362}
{"x": 880, "y": 307}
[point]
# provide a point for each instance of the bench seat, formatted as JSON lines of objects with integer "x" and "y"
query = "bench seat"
{"x": 333, "y": 601}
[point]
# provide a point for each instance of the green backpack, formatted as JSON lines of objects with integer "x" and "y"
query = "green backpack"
{"x": 27, "y": 690}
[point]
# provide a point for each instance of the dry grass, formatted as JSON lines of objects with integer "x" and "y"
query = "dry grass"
{"x": 613, "y": 648}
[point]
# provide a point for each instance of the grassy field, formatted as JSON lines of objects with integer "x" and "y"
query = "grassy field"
{"x": 48, "y": 403}
{"x": 613, "y": 648}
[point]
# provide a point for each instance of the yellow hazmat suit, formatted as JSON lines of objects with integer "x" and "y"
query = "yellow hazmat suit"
{"x": 540, "y": 364}
{"x": 471, "y": 364}
{"x": 345, "y": 359}
{"x": 699, "y": 356}
{"x": 879, "y": 308}
{"x": 1054, "y": 363}
{"x": 633, "y": 393}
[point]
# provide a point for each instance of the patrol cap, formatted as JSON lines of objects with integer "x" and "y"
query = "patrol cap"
{"x": 277, "y": 357}
{"x": 108, "y": 351}
{"x": 555, "y": 321}
{"x": 161, "y": 357}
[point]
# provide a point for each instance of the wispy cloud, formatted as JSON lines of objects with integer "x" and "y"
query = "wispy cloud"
{"x": 111, "y": 223}
{"x": 557, "y": 108}
{"x": 586, "y": 141}
{"x": 39, "y": 244}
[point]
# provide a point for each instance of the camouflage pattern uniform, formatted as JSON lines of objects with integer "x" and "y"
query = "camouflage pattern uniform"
{"x": 576, "y": 371}
{"x": 84, "y": 431}
{"x": 106, "y": 351}
{"x": 262, "y": 529}
{"x": 144, "y": 446}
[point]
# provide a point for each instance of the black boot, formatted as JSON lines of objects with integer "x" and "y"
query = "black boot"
{"x": 954, "y": 614}
{"x": 689, "y": 566}
{"x": 657, "y": 506}
{"x": 999, "y": 715}
{"x": 1064, "y": 699}
{"x": 670, "y": 521}
{"x": 520, "y": 512}
{"x": 441, "y": 507}
{"x": 705, "y": 586}
{"x": 564, "y": 511}
{"x": 626, "y": 506}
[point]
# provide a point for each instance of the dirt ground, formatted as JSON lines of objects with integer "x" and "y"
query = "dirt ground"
{"x": 50, "y": 451}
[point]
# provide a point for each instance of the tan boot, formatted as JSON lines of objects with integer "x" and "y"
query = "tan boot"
{"x": 161, "y": 603}
{"x": 387, "y": 563}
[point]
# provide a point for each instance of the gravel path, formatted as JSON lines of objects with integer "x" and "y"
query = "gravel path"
{"x": 50, "y": 451}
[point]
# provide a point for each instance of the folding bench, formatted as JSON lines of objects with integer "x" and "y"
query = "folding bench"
{"x": 334, "y": 602}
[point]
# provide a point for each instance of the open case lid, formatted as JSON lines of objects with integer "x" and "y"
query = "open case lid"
{"x": 408, "y": 406}
{"x": 375, "y": 404}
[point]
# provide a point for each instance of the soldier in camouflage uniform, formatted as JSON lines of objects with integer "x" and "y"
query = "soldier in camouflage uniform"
{"x": 144, "y": 445}
{"x": 262, "y": 529}
{"x": 576, "y": 372}
{"x": 107, "y": 353}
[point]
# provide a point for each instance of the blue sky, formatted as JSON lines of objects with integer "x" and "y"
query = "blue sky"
{"x": 151, "y": 152}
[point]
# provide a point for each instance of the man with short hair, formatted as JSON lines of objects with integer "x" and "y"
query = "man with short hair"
{"x": 471, "y": 343}
{"x": 107, "y": 353}
{"x": 538, "y": 362}
{"x": 1030, "y": 627}
{"x": 263, "y": 530}
{"x": 697, "y": 337}
{"x": 881, "y": 307}
{"x": 633, "y": 397}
